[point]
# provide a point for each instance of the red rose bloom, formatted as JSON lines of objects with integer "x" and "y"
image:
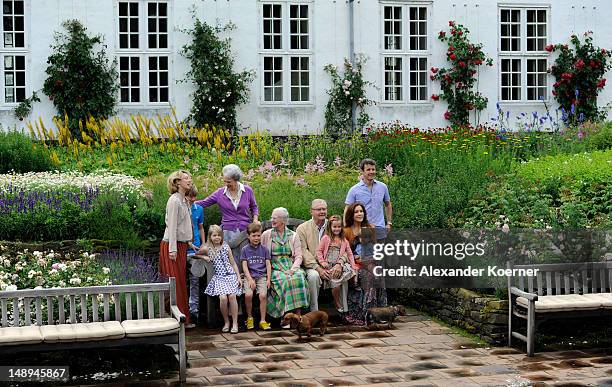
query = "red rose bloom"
{"x": 441, "y": 34}
{"x": 601, "y": 83}
{"x": 435, "y": 97}
{"x": 453, "y": 57}
{"x": 549, "y": 48}
{"x": 447, "y": 115}
{"x": 451, "y": 23}
{"x": 579, "y": 64}
{"x": 478, "y": 62}
{"x": 461, "y": 64}
{"x": 434, "y": 70}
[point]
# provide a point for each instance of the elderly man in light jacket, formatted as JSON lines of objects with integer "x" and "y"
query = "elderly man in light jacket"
{"x": 310, "y": 233}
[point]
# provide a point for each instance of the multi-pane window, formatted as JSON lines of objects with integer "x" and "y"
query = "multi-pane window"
{"x": 418, "y": 79}
{"x": 158, "y": 78}
{"x": 157, "y": 24}
{"x": 13, "y": 51}
{"x": 300, "y": 78}
{"x": 298, "y": 27}
{"x": 128, "y": 25}
{"x": 393, "y": 79}
{"x": 129, "y": 77}
{"x": 286, "y": 53}
{"x": 272, "y": 26}
{"x": 418, "y": 28}
{"x": 144, "y": 52}
{"x": 405, "y": 52}
{"x": 523, "y": 36}
{"x": 393, "y": 28}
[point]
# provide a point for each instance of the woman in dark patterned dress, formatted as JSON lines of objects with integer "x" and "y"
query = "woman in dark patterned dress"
{"x": 370, "y": 290}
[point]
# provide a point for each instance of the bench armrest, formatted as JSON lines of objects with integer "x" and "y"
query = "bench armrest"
{"x": 176, "y": 313}
{"x": 520, "y": 293}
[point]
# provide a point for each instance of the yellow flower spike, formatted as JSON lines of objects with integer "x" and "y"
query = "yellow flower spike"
{"x": 31, "y": 130}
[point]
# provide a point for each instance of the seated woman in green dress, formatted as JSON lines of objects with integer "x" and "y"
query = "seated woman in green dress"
{"x": 289, "y": 288}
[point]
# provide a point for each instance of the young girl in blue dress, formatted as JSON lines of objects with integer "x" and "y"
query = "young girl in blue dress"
{"x": 225, "y": 283}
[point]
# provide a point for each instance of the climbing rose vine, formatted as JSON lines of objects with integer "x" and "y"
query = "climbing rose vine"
{"x": 579, "y": 77}
{"x": 458, "y": 81}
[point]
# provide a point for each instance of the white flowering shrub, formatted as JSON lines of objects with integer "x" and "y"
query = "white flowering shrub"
{"x": 103, "y": 181}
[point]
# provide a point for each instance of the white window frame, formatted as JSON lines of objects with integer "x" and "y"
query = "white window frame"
{"x": 405, "y": 53}
{"x": 14, "y": 52}
{"x": 287, "y": 53}
{"x": 523, "y": 54}
{"x": 144, "y": 53}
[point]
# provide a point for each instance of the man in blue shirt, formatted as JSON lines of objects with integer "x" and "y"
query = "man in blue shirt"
{"x": 374, "y": 195}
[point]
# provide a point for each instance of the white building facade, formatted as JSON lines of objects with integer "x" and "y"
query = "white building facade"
{"x": 288, "y": 43}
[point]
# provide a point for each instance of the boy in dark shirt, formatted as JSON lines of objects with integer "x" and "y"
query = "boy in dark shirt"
{"x": 257, "y": 270}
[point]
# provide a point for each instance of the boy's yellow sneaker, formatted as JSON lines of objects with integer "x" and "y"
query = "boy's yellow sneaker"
{"x": 250, "y": 323}
{"x": 264, "y": 325}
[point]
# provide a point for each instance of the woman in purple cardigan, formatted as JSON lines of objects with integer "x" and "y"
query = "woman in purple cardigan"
{"x": 236, "y": 202}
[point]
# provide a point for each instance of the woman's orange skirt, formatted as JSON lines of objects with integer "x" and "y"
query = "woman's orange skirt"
{"x": 177, "y": 269}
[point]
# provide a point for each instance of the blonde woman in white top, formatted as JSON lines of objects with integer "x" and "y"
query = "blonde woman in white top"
{"x": 177, "y": 236}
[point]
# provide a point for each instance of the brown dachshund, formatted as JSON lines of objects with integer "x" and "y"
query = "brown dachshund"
{"x": 305, "y": 323}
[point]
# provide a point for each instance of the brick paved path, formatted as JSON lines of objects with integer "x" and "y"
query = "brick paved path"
{"x": 417, "y": 352}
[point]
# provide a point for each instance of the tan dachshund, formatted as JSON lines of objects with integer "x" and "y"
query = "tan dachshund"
{"x": 305, "y": 323}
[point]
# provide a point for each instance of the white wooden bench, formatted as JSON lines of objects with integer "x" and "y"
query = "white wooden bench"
{"x": 565, "y": 290}
{"x": 42, "y": 323}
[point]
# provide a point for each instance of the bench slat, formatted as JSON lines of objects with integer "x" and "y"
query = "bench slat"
{"x": 84, "y": 308}
{"x": 530, "y": 284}
{"x": 128, "y": 306}
{"x": 94, "y": 307}
{"x": 72, "y": 309}
{"x": 521, "y": 283}
{"x": 594, "y": 280}
{"x": 548, "y": 283}
{"x": 38, "y": 311}
{"x": 15, "y": 312}
{"x": 117, "y": 298}
{"x": 150, "y": 305}
{"x": 585, "y": 284}
{"x": 60, "y": 308}
{"x": 4, "y": 312}
{"x": 540, "y": 284}
{"x": 557, "y": 282}
{"x": 26, "y": 307}
{"x": 139, "y": 305}
{"x": 602, "y": 281}
{"x": 610, "y": 280}
{"x": 50, "y": 318}
{"x": 106, "y": 307}
{"x": 162, "y": 312}
{"x": 576, "y": 284}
